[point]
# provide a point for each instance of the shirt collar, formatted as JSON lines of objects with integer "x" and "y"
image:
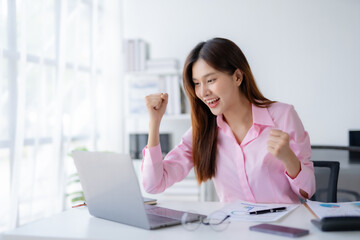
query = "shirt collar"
{"x": 220, "y": 121}
{"x": 261, "y": 116}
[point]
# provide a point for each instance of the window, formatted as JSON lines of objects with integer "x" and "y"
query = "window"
{"x": 53, "y": 80}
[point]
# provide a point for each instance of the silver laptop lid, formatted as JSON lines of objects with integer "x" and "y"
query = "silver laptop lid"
{"x": 111, "y": 187}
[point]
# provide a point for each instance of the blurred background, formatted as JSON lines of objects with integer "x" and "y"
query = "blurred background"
{"x": 74, "y": 73}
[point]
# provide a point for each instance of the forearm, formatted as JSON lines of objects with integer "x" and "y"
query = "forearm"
{"x": 154, "y": 135}
{"x": 156, "y": 105}
{"x": 292, "y": 165}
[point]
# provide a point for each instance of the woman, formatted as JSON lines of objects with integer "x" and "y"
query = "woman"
{"x": 254, "y": 149}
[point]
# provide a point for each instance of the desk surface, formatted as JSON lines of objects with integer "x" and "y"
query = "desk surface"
{"x": 78, "y": 224}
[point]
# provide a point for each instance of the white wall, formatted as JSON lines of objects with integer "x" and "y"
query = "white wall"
{"x": 303, "y": 52}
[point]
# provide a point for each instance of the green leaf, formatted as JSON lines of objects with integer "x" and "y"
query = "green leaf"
{"x": 73, "y": 181}
{"x": 81, "y": 193}
{"x": 78, "y": 149}
{"x": 77, "y": 199}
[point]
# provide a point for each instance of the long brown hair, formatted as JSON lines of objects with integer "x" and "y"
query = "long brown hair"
{"x": 225, "y": 56}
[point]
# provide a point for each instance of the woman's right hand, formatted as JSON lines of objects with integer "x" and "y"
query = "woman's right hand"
{"x": 156, "y": 106}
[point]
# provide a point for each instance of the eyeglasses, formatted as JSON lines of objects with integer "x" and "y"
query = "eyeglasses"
{"x": 218, "y": 221}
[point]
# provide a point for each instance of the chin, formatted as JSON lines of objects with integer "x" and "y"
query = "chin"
{"x": 215, "y": 112}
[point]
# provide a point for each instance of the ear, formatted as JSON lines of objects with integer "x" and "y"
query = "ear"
{"x": 238, "y": 77}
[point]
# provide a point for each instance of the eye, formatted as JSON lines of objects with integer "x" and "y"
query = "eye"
{"x": 211, "y": 80}
{"x": 196, "y": 83}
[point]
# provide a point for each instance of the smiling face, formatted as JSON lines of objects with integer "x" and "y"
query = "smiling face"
{"x": 218, "y": 90}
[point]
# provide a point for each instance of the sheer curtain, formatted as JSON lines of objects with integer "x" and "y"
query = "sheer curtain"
{"x": 60, "y": 89}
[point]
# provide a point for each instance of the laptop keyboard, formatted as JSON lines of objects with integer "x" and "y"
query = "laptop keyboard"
{"x": 164, "y": 212}
{"x": 159, "y": 216}
{"x": 156, "y": 220}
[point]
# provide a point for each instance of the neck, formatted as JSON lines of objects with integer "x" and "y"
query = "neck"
{"x": 241, "y": 115}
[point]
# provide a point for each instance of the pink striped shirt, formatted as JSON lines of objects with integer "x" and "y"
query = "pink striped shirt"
{"x": 245, "y": 171}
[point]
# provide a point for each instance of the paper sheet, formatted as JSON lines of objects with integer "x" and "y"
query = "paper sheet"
{"x": 239, "y": 211}
{"x": 322, "y": 209}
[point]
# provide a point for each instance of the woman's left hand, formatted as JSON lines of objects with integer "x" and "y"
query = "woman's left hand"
{"x": 279, "y": 146}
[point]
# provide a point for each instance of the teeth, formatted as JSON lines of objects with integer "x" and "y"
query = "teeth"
{"x": 212, "y": 100}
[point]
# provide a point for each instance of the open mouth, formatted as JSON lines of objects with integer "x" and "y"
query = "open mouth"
{"x": 213, "y": 102}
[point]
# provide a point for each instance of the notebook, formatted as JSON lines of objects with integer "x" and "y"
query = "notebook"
{"x": 112, "y": 192}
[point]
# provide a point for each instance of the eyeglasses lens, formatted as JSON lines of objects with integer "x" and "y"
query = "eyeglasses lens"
{"x": 219, "y": 221}
{"x": 189, "y": 222}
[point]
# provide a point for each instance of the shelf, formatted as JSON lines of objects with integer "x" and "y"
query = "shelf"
{"x": 157, "y": 73}
{"x": 142, "y": 117}
{"x": 185, "y": 116}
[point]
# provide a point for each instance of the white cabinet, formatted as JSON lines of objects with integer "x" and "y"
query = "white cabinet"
{"x": 186, "y": 190}
{"x": 176, "y": 126}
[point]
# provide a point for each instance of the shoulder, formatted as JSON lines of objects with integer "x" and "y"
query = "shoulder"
{"x": 188, "y": 133}
{"x": 282, "y": 114}
{"x": 279, "y": 108}
{"x": 187, "y": 137}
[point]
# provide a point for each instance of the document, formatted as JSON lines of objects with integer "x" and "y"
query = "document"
{"x": 240, "y": 211}
{"x": 322, "y": 209}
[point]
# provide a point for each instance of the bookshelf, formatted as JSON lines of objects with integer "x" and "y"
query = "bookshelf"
{"x": 146, "y": 76}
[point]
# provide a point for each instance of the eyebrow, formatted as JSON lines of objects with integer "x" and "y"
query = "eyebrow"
{"x": 205, "y": 76}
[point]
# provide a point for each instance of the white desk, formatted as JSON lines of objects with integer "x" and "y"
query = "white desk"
{"x": 78, "y": 224}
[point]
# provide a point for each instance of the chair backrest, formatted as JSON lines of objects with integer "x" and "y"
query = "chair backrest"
{"x": 326, "y": 174}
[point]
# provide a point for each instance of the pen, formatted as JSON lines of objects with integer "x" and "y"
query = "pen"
{"x": 79, "y": 205}
{"x": 271, "y": 210}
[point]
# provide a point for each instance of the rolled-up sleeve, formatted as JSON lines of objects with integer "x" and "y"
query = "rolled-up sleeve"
{"x": 158, "y": 173}
{"x": 300, "y": 145}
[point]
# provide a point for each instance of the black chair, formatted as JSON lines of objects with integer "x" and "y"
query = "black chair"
{"x": 345, "y": 195}
{"x": 326, "y": 175}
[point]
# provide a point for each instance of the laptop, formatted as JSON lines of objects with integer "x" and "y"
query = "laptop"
{"x": 112, "y": 192}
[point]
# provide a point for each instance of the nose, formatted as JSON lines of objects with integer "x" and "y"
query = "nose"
{"x": 203, "y": 90}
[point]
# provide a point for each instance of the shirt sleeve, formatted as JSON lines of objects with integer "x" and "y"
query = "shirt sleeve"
{"x": 300, "y": 145}
{"x": 159, "y": 174}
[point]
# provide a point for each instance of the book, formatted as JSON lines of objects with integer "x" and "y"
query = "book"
{"x": 176, "y": 94}
{"x": 173, "y": 88}
{"x": 169, "y": 89}
{"x": 150, "y": 201}
{"x": 136, "y": 54}
{"x": 165, "y": 143}
{"x": 133, "y": 145}
{"x": 139, "y": 140}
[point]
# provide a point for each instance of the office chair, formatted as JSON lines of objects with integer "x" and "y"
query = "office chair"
{"x": 345, "y": 195}
{"x": 326, "y": 175}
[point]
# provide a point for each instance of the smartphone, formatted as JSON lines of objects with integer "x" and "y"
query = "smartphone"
{"x": 280, "y": 230}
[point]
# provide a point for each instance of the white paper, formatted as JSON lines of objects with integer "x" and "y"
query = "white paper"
{"x": 239, "y": 211}
{"x": 322, "y": 209}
